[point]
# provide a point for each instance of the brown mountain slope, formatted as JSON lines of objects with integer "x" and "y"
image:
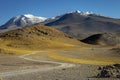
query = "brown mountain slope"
{"x": 103, "y": 39}
{"x": 36, "y": 37}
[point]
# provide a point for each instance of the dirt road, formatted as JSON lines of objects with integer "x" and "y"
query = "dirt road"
{"x": 19, "y": 72}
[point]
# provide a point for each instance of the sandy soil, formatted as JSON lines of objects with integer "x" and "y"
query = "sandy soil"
{"x": 10, "y": 63}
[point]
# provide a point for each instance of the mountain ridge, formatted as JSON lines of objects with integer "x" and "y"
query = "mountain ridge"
{"x": 76, "y": 24}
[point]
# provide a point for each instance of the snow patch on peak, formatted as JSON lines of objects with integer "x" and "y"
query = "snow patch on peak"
{"x": 86, "y": 13}
{"x": 32, "y": 16}
{"x": 77, "y": 11}
{"x": 28, "y": 15}
{"x": 82, "y": 13}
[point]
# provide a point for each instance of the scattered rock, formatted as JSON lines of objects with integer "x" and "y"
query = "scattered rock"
{"x": 63, "y": 69}
{"x": 110, "y": 71}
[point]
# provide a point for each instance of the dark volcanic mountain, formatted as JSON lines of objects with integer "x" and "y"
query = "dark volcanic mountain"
{"x": 83, "y": 24}
{"x": 103, "y": 39}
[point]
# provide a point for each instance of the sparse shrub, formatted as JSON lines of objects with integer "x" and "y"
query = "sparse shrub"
{"x": 116, "y": 50}
{"x": 1, "y": 79}
{"x": 10, "y": 45}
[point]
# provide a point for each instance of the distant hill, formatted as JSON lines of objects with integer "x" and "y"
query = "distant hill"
{"x": 83, "y": 24}
{"x": 103, "y": 39}
{"x": 36, "y": 37}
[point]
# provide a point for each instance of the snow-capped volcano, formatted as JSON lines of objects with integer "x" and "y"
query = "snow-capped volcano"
{"x": 22, "y": 20}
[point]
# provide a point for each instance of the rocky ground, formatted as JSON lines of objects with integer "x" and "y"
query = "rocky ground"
{"x": 79, "y": 72}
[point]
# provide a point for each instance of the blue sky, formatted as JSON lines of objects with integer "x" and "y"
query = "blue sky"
{"x": 51, "y": 8}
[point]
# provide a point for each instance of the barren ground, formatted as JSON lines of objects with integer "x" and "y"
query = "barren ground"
{"x": 69, "y": 65}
